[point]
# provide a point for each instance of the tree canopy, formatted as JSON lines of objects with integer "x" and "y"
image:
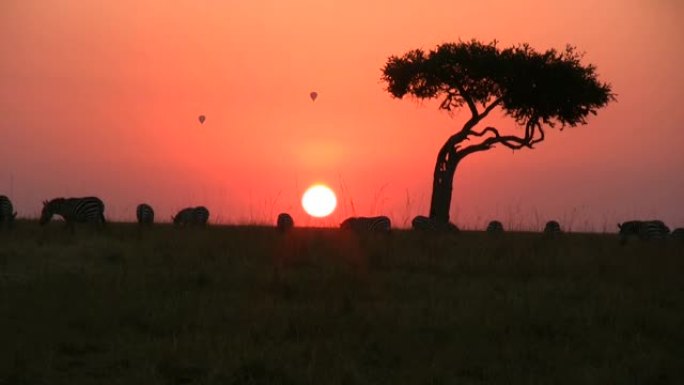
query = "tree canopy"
{"x": 534, "y": 88}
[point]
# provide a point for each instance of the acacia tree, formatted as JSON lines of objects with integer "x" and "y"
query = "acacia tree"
{"x": 536, "y": 89}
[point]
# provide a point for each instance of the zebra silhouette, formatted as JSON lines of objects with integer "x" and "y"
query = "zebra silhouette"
{"x": 552, "y": 229}
{"x": 644, "y": 230}
{"x": 426, "y": 224}
{"x": 285, "y": 222}
{"x": 74, "y": 210}
{"x": 7, "y": 213}
{"x": 381, "y": 224}
{"x": 145, "y": 214}
{"x": 494, "y": 228}
{"x": 678, "y": 234}
{"x": 191, "y": 216}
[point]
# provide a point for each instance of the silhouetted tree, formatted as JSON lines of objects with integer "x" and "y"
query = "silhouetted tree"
{"x": 535, "y": 89}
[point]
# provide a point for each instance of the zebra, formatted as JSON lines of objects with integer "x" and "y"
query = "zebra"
{"x": 191, "y": 216}
{"x": 145, "y": 214}
{"x": 678, "y": 233}
{"x": 495, "y": 228}
{"x": 552, "y": 229}
{"x": 74, "y": 210}
{"x": 7, "y": 213}
{"x": 380, "y": 224}
{"x": 423, "y": 223}
{"x": 285, "y": 222}
{"x": 644, "y": 230}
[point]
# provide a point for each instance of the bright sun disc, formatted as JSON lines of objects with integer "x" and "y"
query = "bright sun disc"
{"x": 319, "y": 201}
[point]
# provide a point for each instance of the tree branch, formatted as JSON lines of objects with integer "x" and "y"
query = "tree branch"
{"x": 469, "y": 101}
{"x": 473, "y": 121}
{"x": 490, "y": 107}
{"x": 511, "y": 141}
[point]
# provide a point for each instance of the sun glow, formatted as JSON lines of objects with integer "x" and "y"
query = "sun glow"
{"x": 319, "y": 201}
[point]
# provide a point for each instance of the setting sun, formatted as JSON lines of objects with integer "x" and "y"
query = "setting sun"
{"x": 319, "y": 201}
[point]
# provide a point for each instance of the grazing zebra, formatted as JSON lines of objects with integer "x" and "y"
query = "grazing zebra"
{"x": 285, "y": 222}
{"x": 367, "y": 224}
{"x": 552, "y": 229}
{"x": 644, "y": 230}
{"x": 495, "y": 228}
{"x": 678, "y": 233}
{"x": 74, "y": 210}
{"x": 191, "y": 216}
{"x": 7, "y": 213}
{"x": 423, "y": 223}
{"x": 145, "y": 214}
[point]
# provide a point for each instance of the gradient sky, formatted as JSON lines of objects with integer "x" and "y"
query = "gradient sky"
{"x": 102, "y": 98}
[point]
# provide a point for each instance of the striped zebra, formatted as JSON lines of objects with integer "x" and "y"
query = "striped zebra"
{"x": 678, "y": 234}
{"x": 145, "y": 214}
{"x": 285, "y": 222}
{"x": 552, "y": 229}
{"x": 191, "y": 216}
{"x": 494, "y": 228}
{"x": 74, "y": 210}
{"x": 380, "y": 224}
{"x": 644, "y": 230}
{"x": 7, "y": 213}
{"x": 426, "y": 224}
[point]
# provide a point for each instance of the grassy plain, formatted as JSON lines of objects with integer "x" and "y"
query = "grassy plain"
{"x": 246, "y": 305}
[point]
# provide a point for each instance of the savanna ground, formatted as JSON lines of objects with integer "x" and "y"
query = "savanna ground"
{"x": 246, "y": 305}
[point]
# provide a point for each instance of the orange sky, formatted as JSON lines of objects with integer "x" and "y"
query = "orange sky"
{"x": 102, "y": 98}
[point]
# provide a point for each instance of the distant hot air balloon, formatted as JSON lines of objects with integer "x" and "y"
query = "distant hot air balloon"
{"x": 201, "y": 119}
{"x": 313, "y": 95}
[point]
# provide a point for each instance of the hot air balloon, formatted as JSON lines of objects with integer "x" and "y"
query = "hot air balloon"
{"x": 201, "y": 119}
{"x": 313, "y": 95}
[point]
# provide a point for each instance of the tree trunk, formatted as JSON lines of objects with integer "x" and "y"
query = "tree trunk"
{"x": 442, "y": 184}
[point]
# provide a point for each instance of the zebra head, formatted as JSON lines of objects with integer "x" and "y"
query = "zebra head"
{"x": 50, "y": 208}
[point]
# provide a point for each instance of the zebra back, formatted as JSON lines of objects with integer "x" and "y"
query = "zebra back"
{"x": 423, "y": 223}
{"x": 145, "y": 214}
{"x": 655, "y": 230}
{"x": 7, "y": 213}
{"x": 191, "y": 216}
{"x": 284, "y": 222}
{"x": 380, "y": 224}
{"x": 644, "y": 230}
{"x": 74, "y": 210}
{"x": 184, "y": 216}
{"x": 495, "y": 227}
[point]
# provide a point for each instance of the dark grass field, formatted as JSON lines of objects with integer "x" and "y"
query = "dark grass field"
{"x": 246, "y": 305}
